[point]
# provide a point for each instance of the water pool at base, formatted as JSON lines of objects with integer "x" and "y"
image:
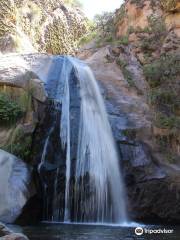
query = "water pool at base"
{"x": 48, "y": 231}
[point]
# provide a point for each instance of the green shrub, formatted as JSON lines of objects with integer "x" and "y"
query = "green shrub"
{"x": 127, "y": 74}
{"x": 10, "y": 111}
{"x": 171, "y": 158}
{"x": 153, "y": 73}
{"x": 163, "y": 70}
{"x": 157, "y": 26}
{"x": 87, "y": 38}
{"x": 169, "y": 122}
{"x": 147, "y": 45}
{"x": 109, "y": 39}
{"x": 130, "y": 30}
{"x": 122, "y": 63}
{"x": 161, "y": 96}
{"x": 20, "y": 144}
{"x": 105, "y": 24}
{"x": 165, "y": 143}
{"x": 21, "y": 149}
{"x": 99, "y": 42}
{"x": 124, "y": 40}
{"x": 156, "y": 30}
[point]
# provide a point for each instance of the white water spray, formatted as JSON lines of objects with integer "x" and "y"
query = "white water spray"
{"x": 97, "y": 158}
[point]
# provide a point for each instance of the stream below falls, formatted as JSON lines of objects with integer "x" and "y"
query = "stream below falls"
{"x": 49, "y": 231}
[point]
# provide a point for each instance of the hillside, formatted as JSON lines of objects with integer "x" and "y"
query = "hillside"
{"x": 43, "y": 26}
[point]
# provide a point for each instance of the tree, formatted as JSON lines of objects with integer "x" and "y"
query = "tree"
{"x": 105, "y": 22}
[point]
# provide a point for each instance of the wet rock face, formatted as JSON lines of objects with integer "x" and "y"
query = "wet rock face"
{"x": 14, "y": 182}
{"x": 45, "y": 169}
{"x": 155, "y": 201}
{"x": 49, "y": 157}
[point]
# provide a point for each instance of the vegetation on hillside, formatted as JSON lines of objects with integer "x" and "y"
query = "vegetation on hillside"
{"x": 162, "y": 76}
{"x": 13, "y": 112}
{"x": 102, "y": 30}
{"x": 54, "y": 27}
{"x": 19, "y": 144}
{"x": 161, "y": 69}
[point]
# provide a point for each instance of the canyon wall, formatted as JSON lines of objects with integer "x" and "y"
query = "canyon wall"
{"x": 137, "y": 65}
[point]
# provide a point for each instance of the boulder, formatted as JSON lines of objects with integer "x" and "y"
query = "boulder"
{"x": 4, "y": 230}
{"x": 8, "y": 234}
{"x": 15, "y": 236}
{"x": 15, "y": 72}
{"x": 15, "y": 178}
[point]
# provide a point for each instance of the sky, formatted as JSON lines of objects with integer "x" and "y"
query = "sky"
{"x": 93, "y": 7}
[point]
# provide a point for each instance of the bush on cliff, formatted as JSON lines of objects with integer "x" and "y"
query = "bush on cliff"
{"x": 10, "y": 110}
{"x": 163, "y": 70}
{"x": 19, "y": 144}
{"x": 156, "y": 34}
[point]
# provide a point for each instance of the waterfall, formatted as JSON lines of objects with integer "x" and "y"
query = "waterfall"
{"x": 97, "y": 157}
{"x": 65, "y": 136}
{"x": 94, "y": 189}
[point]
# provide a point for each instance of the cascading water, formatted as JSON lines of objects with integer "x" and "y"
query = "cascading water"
{"x": 96, "y": 157}
{"x": 93, "y": 183}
